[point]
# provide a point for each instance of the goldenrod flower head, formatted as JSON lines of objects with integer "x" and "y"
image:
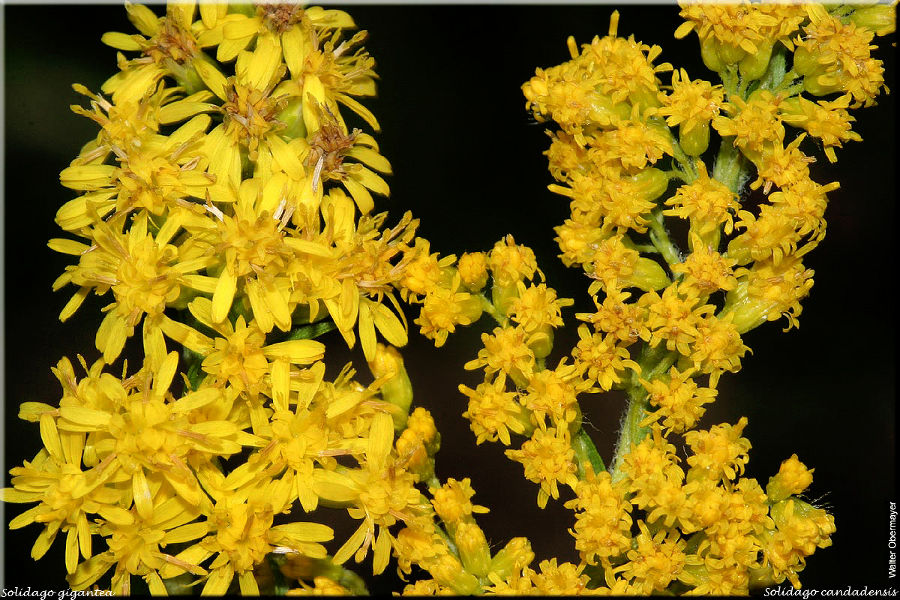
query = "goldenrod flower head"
{"x": 742, "y": 32}
{"x": 548, "y": 460}
{"x": 473, "y": 270}
{"x": 656, "y": 561}
{"x": 719, "y": 452}
{"x": 615, "y": 266}
{"x": 783, "y": 167}
{"x": 473, "y": 548}
{"x": 418, "y": 543}
{"x": 444, "y": 308}
{"x": 801, "y": 529}
{"x": 717, "y": 347}
{"x": 425, "y": 271}
{"x": 603, "y": 520}
{"x": 673, "y": 317}
{"x": 793, "y": 478}
{"x": 649, "y": 462}
{"x": 493, "y": 412}
{"x": 705, "y": 270}
{"x": 452, "y": 501}
{"x": 679, "y": 400}
{"x": 828, "y": 121}
{"x": 577, "y": 240}
{"x": 510, "y": 262}
{"x": 707, "y": 202}
{"x": 767, "y": 291}
{"x": 553, "y": 393}
{"x": 755, "y": 124}
{"x": 563, "y": 579}
{"x": 691, "y": 105}
{"x": 537, "y": 307}
{"x": 772, "y": 236}
{"x": 512, "y": 558}
{"x": 630, "y": 147}
{"x": 836, "y": 57}
{"x": 507, "y": 350}
{"x": 616, "y": 316}
{"x": 602, "y": 358}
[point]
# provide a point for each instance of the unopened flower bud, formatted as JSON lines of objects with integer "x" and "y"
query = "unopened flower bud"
{"x": 793, "y": 478}
{"x": 513, "y": 557}
{"x": 473, "y": 548}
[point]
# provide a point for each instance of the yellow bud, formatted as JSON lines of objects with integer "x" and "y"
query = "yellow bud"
{"x": 793, "y": 478}
{"x": 648, "y": 275}
{"x": 473, "y": 548}
{"x": 696, "y": 140}
{"x": 421, "y": 422}
{"x": 753, "y": 66}
{"x": 502, "y": 297}
{"x": 710, "y": 55}
{"x": 651, "y": 183}
{"x": 397, "y": 389}
{"x": 513, "y": 557}
{"x": 447, "y": 571}
{"x": 473, "y": 271}
{"x": 541, "y": 341}
{"x": 881, "y": 18}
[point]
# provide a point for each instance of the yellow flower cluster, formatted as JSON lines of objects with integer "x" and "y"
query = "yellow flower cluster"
{"x": 227, "y": 207}
{"x": 669, "y": 317}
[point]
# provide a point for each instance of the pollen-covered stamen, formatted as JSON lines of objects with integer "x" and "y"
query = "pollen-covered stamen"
{"x": 328, "y": 148}
{"x": 172, "y": 42}
{"x": 279, "y": 17}
{"x": 250, "y": 114}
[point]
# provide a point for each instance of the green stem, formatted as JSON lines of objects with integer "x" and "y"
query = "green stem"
{"x": 653, "y": 362}
{"x": 687, "y": 171}
{"x": 730, "y": 166}
{"x": 586, "y": 451}
{"x": 490, "y": 309}
{"x": 660, "y": 238}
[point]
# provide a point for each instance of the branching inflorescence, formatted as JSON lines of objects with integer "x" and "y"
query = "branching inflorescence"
{"x": 226, "y": 210}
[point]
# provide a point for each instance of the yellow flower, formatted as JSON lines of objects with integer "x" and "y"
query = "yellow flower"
{"x": 493, "y": 412}
{"x": 294, "y": 28}
{"x": 603, "y": 520}
{"x": 618, "y": 317}
{"x": 691, "y": 105}
{"x": 548, "y": 459}
{"x": 743, "y": 32}
{"x": 707, "y": 203}
{"x": 553, "y": 393}
{"x": 833, "y": 56}
{"x": 705, "y": 270}
{"x": 170, "y": 48}
{"x": 510, "y": 262}
{"x": 446, "y": 307}
{"x": 792, "y": 479}
{"x": 718, "y": 453}
{"x": 828, "y": 121}
{"x": 239, "y": 355}
{"x": 767, "y": 291}
{"x": 602, "y": 358}
{"x": 563, "y": 579}
{"x": 144, "y": 272}
{"x": 135, "y": 548}
{"x": 385, "y": 494}
{"x": 507, "y": 350}
{"x": 679, "y": 400}
{"x": 656, "y": 561}
{"x": 673, "y": 317}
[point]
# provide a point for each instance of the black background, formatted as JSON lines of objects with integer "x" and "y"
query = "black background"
{"x": 468, "y": 161}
